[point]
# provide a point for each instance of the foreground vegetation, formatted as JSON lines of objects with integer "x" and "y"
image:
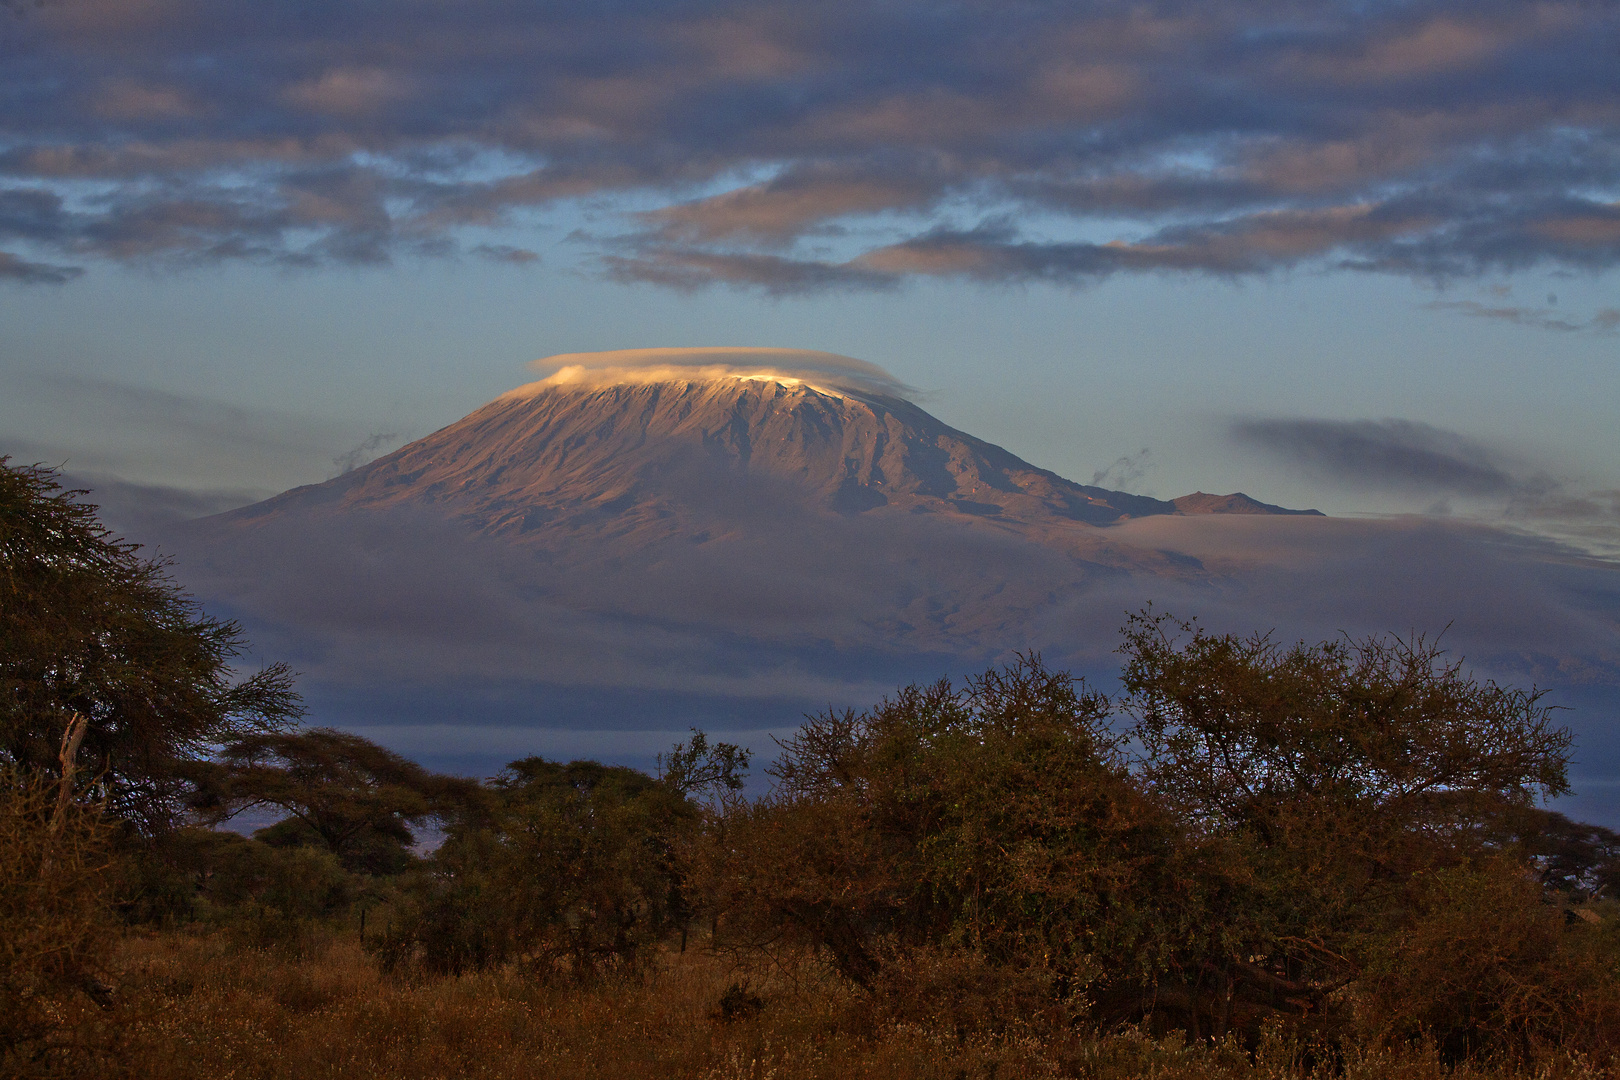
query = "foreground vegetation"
{"x": 200, "y": 1005}
{"x": 1258, "y": 860}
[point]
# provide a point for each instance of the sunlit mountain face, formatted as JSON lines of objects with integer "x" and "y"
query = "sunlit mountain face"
{"x": 637, "y": 457}
{"x": 647, "y": 541}
{"x": 781, "y": 504}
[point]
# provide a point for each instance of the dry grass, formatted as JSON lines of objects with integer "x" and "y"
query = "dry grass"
{"x": 208, "y": 1009}
{"x": 224, "y": 1012}
{"x": 196, "y": 1005}
{"x": 55, "y": 878}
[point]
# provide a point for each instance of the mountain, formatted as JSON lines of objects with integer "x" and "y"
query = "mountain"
{"x": 728, "y": 539}
{"x": 679, "y": 538}
{"x": 553, "y": 463}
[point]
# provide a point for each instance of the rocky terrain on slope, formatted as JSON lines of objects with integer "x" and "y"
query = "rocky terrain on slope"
{"x": 647, "y": 461}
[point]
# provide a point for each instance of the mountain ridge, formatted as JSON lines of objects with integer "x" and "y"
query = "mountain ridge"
{"x": 565, "y": 454}
{"x": 761, "y": 516}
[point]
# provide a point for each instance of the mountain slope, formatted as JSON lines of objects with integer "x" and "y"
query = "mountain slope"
{"x": 765, "y": 505}
{"x": 721, "y": 536}
{"x": 541, "y": 464}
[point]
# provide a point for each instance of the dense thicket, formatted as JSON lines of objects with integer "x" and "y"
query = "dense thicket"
{"x": 1249, "y": 839}
{"x": 1334, "y": 779}
{"x": 56, "y": 877}
{"x": 566, "y": 868}
{"x": 999, "y": 823}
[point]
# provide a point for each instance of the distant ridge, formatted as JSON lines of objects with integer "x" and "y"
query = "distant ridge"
{"x": 1236, "y": 503}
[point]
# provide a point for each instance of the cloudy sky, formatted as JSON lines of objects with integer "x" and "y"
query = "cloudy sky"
{"x": 1355, "y": 256}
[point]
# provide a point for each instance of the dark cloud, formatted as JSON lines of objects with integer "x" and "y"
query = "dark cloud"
{"x": 1383, "y": 453}
{"x": 800, "y": 199}
{"x": 32, "y": 273}
{"x": 1405, "y": 455}
{"x": 506, "y": 253}
{"x": 861, "y": 144}
{"x": 689, "y": 269}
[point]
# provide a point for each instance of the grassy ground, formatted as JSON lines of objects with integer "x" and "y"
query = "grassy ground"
{"x": 195, "y": 1005}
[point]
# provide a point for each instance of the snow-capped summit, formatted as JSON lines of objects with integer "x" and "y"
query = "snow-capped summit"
{"x": 660, "y": 443}
{"x": 708, "y": 517}
{"x": 828, "y": 372}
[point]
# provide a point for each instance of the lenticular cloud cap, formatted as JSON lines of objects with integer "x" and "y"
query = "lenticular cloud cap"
{"x": 823, "y": 370}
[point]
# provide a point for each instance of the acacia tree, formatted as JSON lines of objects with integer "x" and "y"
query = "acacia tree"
{"x": 695, "y": 769}
{"x": 91, "y": 629}
{"x": 558, "y": 865}
{"x": 341, "y": 792}
{"x": 994, "y": 829}
{"x": 565, "y": 867}
{"x": 1335, "y": 775}
{"x": 1576, "y": 859}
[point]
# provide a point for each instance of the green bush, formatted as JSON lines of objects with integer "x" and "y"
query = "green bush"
{"x": 985, "y": 846}
{"x": 227, "y": 879}
{"x": 567, "y": 868}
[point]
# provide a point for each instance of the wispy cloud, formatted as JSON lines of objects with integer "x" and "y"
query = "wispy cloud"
{"x": 34, "y": 273}
{"x": 1409, "y": 456}
{"x": 808, "y": 147}
{"x": 1123, "y": 474}
{"x": 368, "y": 448}
{"x": 1604, "y": 321}
{"x": 1382, "y": 453}
{"x": 139, "y": 511}
{"x": 152, "y": 436}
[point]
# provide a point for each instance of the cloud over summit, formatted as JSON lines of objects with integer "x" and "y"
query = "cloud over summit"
{"x": 814, "y": 146}
{"x": 697, "y": 364}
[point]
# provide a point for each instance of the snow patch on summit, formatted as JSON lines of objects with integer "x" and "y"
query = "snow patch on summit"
{"x": 825, "y": 372}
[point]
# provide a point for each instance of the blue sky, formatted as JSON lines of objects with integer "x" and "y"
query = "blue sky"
{"x": 1354, "y": 256}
